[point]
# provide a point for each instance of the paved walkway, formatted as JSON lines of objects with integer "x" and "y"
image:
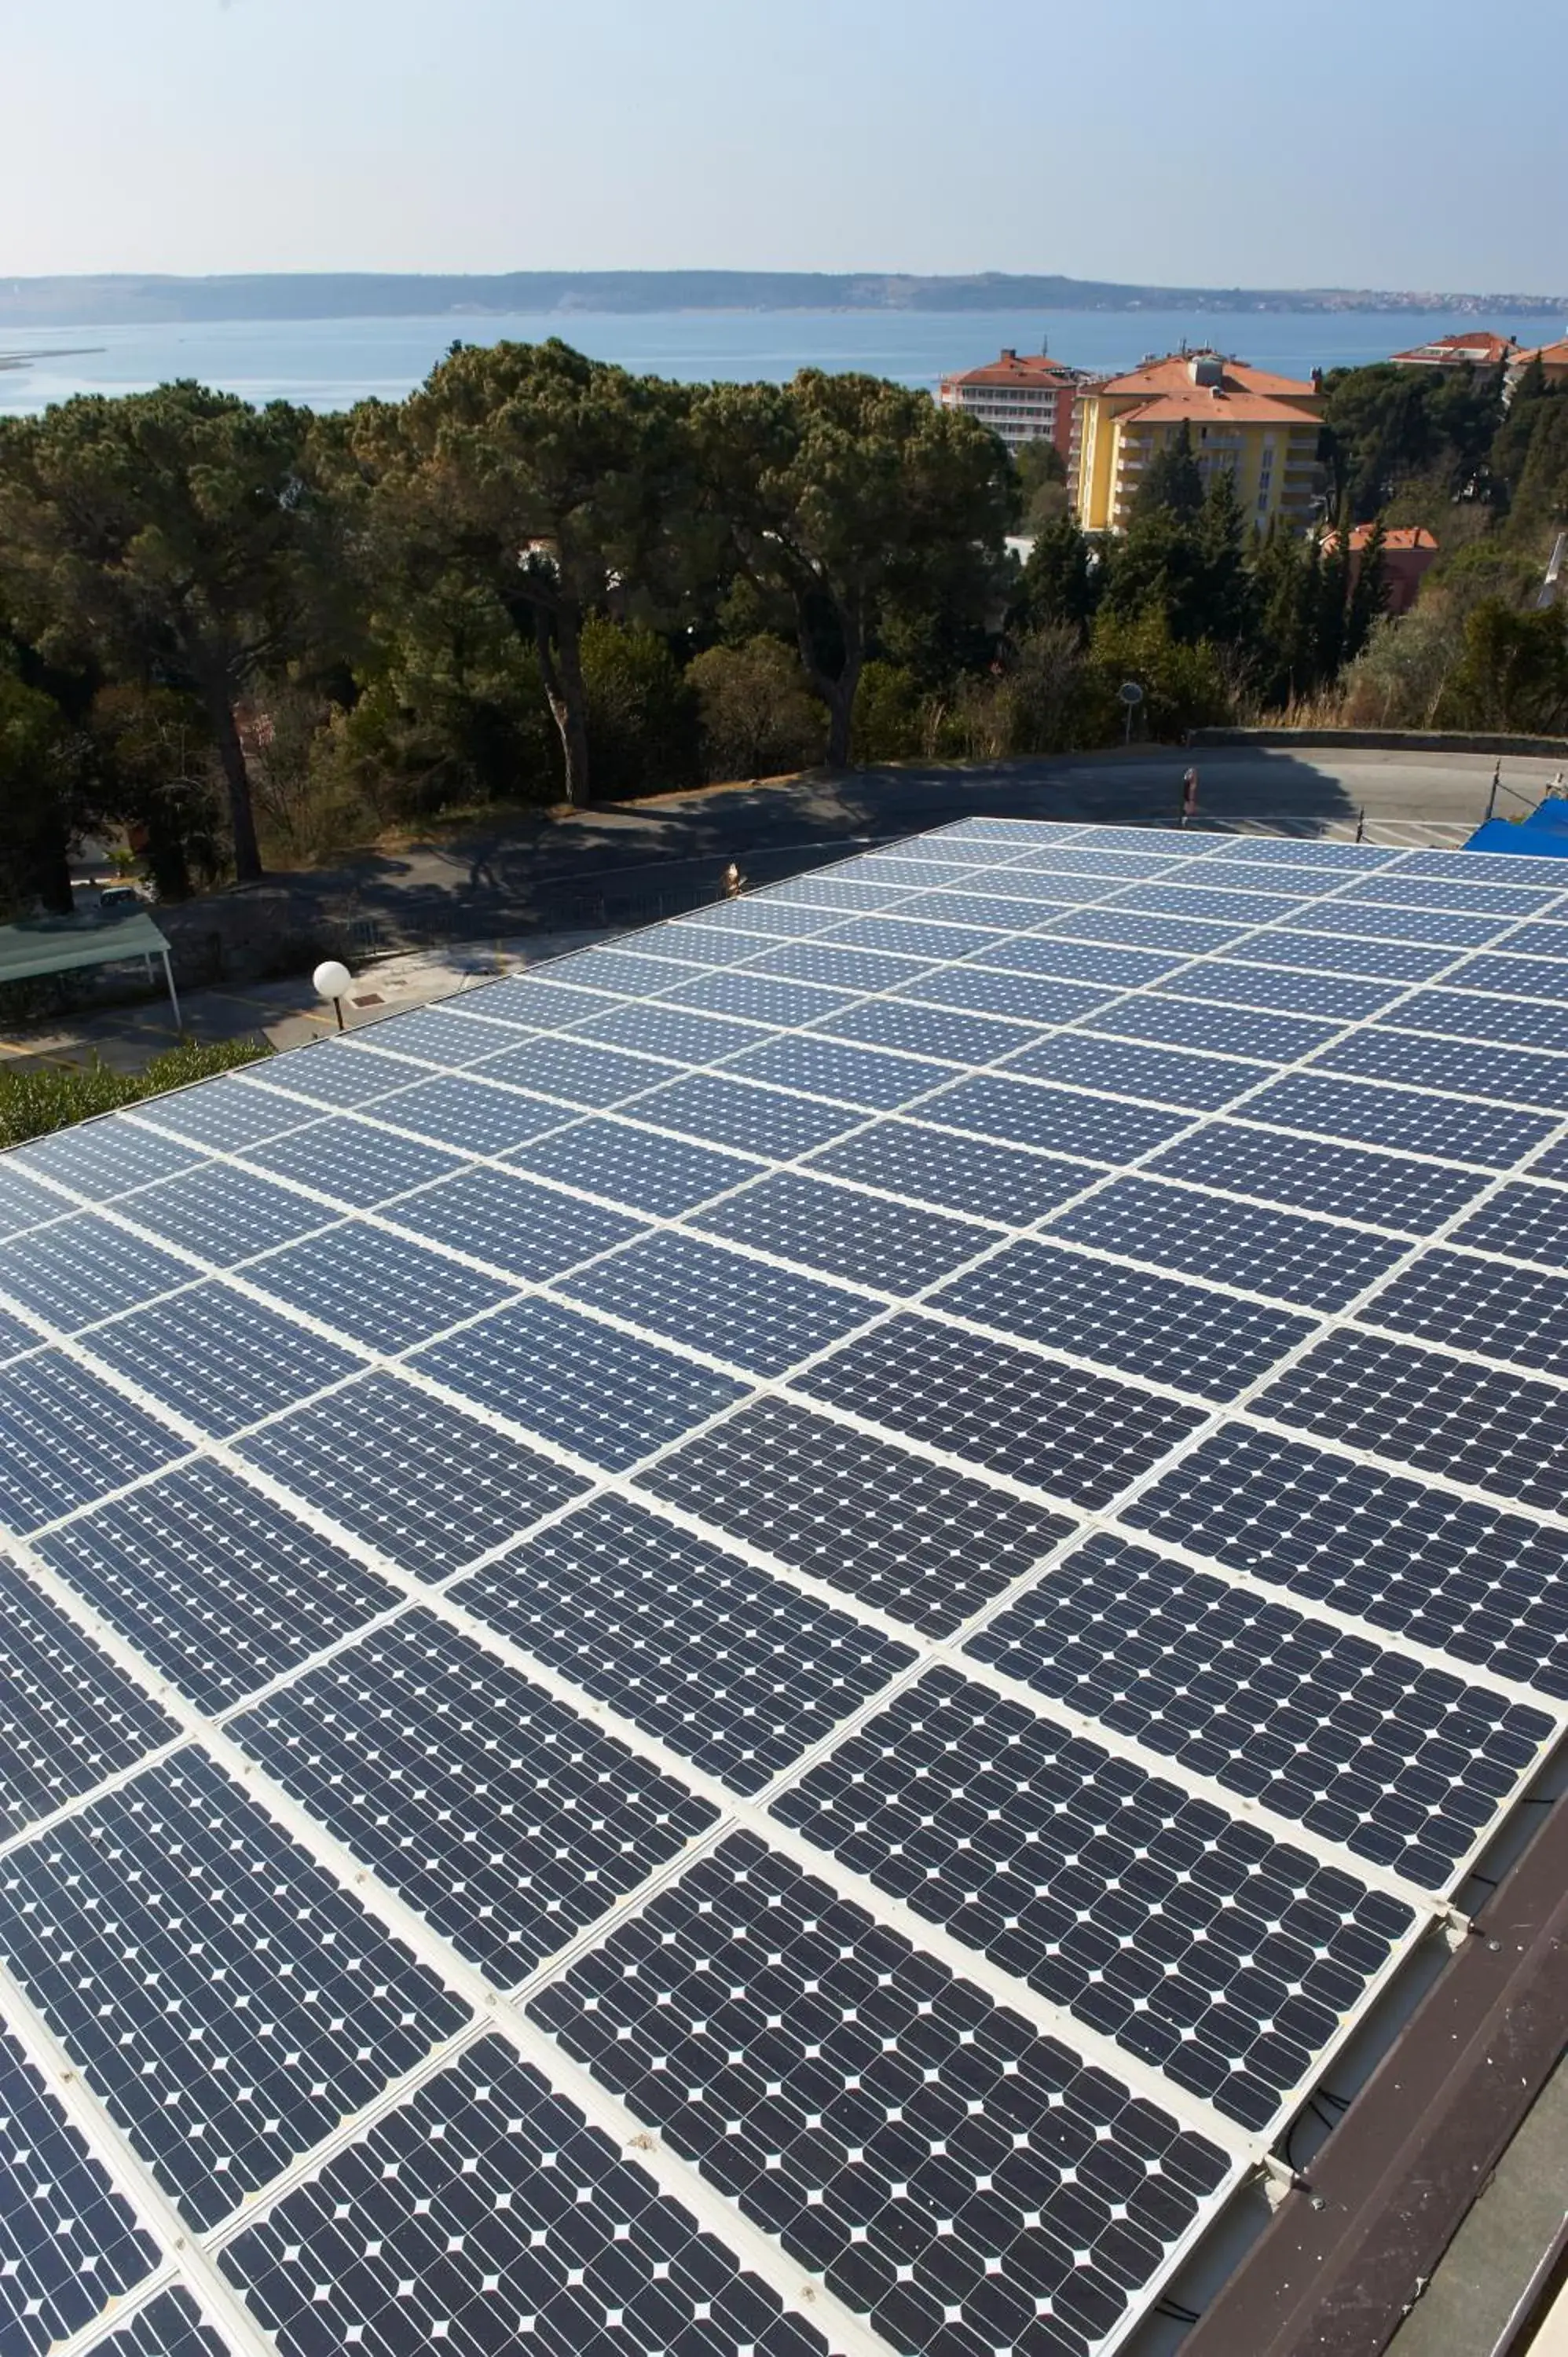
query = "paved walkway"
{"x": 286, "y": 1012}
{"x": 495, "y": 899}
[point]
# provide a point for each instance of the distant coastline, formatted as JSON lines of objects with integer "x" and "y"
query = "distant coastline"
{"x": 124, "y": 299}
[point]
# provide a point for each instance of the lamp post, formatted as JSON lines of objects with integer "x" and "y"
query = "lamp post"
{"x": 331, "y": 979}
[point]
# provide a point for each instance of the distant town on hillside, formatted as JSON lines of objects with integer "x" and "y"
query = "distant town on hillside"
{"x": 113, "y": 299}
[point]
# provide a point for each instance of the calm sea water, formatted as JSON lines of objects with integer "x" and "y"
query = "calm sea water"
{"x": 330, "y": 363}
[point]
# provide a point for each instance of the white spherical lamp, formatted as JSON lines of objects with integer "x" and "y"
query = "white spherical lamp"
{"x": 330, "y": 980}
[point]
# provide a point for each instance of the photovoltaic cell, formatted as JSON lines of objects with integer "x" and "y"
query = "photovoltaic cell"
{"x": 1344, "y": 916}
{"x": 218, "y": 1358}
{"x": 1087, "y": 961}
{"x": 865, "y": 2085}
{"x": 1177, "y": 899}
{"x": 504, "y": 1819}
{"x": 71, "y": 2242}
{"x": 67, "y": 1436}
{"x": 171, "y": 2325}
{"x": 425, "y": 1486}
{"x": 101, "y": 1159}
{"x": 1030, "y": 1113}
{"x": 1219, "y": 1030}
{"x": 1215, "y": 1951}
{"x": 457, "y": 1109}
{"x": 1425, "y": 1123}
{"x": 747, "y": 1600}
{"x": 635, "y": 1166}
{"x": 1452, "y": 891}
{"x": 922, "y": 1542}
{"x": 1205, "y": 1342}
{"x": 224, "y": 1214}
{"x": 741, "y": 1310}
{"x": 213, "y": 1583}
{"x": 963, "y": 1174}
{"x": 550, "y": 2232}
{"x": 1327, "y": 953}
{"x": 1126, "y": 925}
{"x": 85, "y": 1268}
{"x": 1465, "y": 1067}
{"x": 724, "y": 1111}
{"x": 352, "y": 1161}
{"x": 533, "y": 1001}
{"x": 520, "y": 1229}
{"x": 1523, "y": 1223}
{"x": 865, "y": 1237}
{"x": 329, "y": 1073}
{"x": 824, "y": 961}
{"x": 1473, "y": 1015}
{"x": 1321, "y": 1263}
{"x": 1487, "y": 1587}
{"x": 834, "y": 1067}
{"x": 762, "y": 997}
{"x": 1335, "y": 997}
{"x": 903, "y": 936}
{"x": 1390, "y": 1189}
{"x": 25, "y": 1204}
{"x": 72, "y": 1715}
{"x": 1082, "y": 1437}
{"x": 940, "y": 1031}
{"x": 986, "y": 904}
{"x": 583, "y": 1072}
{"x": 1501, "y": 1433}
{"x": 1516, "y": 1314}
{"x": 1398, "y": 1762}
{"x": 1200, "y": 1083}
{"x": 654, "y": 1027}
{"x": 729, "y": 1666}
{"x": 602, "y": 967}
{"x": 606, "y": 1397}
{"x": 383, "y": 1291}
{"x": 992, "y": 990}
{"x": 226, "y": 1998}
{"x": 1502, "y": 970}
{"x": 224, "y": 1114}
{"x": 439, "y": 1035}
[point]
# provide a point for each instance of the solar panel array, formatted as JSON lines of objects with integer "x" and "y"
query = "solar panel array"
{"x": 760, "y": 1643}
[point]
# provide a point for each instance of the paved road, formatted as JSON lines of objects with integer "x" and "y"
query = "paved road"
{"x": 601, "y": 866}
{"x": 504, "y": 888}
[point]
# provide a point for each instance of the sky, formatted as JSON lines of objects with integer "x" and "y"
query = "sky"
{"x": 1364, "y": 142}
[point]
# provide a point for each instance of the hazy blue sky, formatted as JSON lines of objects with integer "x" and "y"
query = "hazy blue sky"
{"x": 1368, "y": 142}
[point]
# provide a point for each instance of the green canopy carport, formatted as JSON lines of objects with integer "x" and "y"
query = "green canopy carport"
{"x": 61, "y": 944}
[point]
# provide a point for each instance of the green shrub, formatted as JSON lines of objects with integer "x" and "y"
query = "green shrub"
{"x": 757, "y": 716}
{"x": 642, "y": 721}
{"x": 888, "y": 722}
{"x": 51, "y": 1096}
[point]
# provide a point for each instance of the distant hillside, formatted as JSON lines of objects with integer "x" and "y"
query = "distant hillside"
{"x": 126, "y": 300}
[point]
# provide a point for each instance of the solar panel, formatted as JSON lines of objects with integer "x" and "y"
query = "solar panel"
{"x": 214, "y": 1583}
{"x": 71, "y": 2241}
{"x": 428, "y": 1488}
{"x": 762, "y": 1643}
{"x": 506, "y": 1820}
{"x": 175, "y": 1906}
{"x": 730, "y": 1667}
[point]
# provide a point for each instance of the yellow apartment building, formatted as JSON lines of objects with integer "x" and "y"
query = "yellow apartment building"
{"x": 1263, "y": 428}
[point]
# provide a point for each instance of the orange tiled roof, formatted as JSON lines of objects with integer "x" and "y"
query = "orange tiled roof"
{"x": 1207, "y": 406}
{"x": 1174, "y": 374}
{"x": 1018, "y": 368}
{"x": 1479, "y": 345}
{"x": 1549, "y": 355}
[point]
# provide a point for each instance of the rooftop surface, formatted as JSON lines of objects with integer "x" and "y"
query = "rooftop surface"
{"x": 768, "y": 1642}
